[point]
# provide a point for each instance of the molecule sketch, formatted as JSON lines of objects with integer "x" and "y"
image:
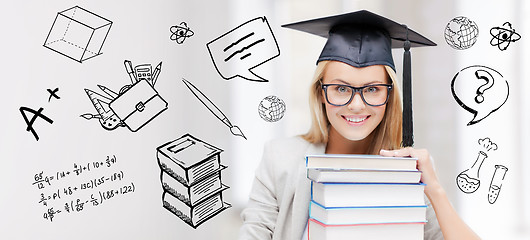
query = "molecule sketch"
{"x": 503, "y": 36}
{"x": 181, "y": 32}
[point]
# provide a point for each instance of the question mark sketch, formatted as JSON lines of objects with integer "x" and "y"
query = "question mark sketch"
{"x": 485, "y": 98}
{"x": 481, "y": 74}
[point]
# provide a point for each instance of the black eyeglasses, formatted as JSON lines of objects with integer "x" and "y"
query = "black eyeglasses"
{"x": 341, "y": 95}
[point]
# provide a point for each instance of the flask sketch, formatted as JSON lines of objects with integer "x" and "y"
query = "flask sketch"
{"x": 468, "y": 180}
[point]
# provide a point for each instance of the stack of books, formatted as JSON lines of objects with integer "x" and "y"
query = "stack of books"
{"x": 365, "y": 197}
{"x": 191, "y": 179}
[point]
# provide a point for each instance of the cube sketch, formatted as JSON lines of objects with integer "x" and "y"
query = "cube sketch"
{"x": 78, "y": 34}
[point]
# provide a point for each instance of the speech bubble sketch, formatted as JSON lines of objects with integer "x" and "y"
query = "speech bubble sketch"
{"x": 480, "y": 90}
{"x": 237, "y": 52}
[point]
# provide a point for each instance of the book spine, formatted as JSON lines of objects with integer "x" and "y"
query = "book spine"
{"x": 191, "y": 194}
{"x": 167, "y": 165}
{"x": 193, "y": 215}
{"x": 204, "y": 168}
{"x": 367, "y": 194}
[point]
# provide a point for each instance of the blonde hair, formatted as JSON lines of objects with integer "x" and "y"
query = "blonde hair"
{"x": 387, "y": 135}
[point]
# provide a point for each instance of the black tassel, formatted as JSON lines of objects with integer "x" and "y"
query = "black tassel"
{"x": 408, "y": 136}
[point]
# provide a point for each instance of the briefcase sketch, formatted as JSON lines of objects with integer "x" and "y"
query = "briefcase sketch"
{"x": 138, "y": 105}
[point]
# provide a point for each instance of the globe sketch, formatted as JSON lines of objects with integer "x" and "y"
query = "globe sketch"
{"x": 461, "y": 33}
{"x": 271, "y": 109}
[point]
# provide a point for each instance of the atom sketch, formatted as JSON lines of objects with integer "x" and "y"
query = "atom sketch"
{"x": 503, "y": 36}
{"x": 180, "y": 33}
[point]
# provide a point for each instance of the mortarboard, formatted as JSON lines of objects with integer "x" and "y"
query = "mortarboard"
{"x": 362, "y": 39}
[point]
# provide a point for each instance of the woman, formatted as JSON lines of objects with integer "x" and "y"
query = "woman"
{"x": 356, "y": 109}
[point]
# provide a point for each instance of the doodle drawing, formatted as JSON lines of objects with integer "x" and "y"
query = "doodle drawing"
{"x": 107, "y": 118}
{"x": 237, "y": 52}
{"x": 180, "y": 33}
{"x": 271, "y": 109}
{"x": 213, "y": 109}
{"x": 36, "y": 114}
{"x": 53, "y": 93}
{"x": 191, "y": 179}
{"x": 468, "y": 180}
{"x": 78, "y": 34}
{"x": 479, "y": 90}
{"x": 461, "y": 33}
{"x": 496, "y": 183}
{"x": 503, "y": 36}
{"x": 134, "y": 105}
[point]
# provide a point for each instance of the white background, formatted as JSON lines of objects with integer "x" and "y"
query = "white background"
{"x": 140, "y": 33}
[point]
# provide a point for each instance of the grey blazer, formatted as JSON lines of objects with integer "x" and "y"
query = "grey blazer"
{"x": 278, "y": 206}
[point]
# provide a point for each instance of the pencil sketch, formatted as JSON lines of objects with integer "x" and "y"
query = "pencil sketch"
{"x": 213, "y": 109}
{"x": 503, "y": 36}
{"x": 30, "y": 123}
{"x": 134, "y": 106}
{"x": 468, "y": 181}
{"x": 496, "y": 183}
{"x": 181, "y": 32}
{"x": 78, "y": 34}
{"x": 480, "y": 90}
{"x": 237, "y": 52}
{"x": 461, "y": 33}
{"x": 271, "y": 109}
{"x": 191, "y": 179}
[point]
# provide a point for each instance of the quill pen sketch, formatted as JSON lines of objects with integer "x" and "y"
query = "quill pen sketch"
{"x": 215, "y": 111}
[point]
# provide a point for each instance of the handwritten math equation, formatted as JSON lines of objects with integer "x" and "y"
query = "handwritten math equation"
{"x": 84, "y": 185}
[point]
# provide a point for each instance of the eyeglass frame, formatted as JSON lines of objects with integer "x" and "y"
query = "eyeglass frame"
{"x": 355, "y": 90}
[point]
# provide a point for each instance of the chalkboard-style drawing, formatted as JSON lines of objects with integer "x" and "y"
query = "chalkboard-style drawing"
{"x": 468, "y": 181}
{"x": 271, "y": 109}
{"x": 496, "y": 183}
{"x": 237, "y": 52}
{"x": 30, "y": 123}
{"x": 107, "y": 118}
{"x": 191, "y": 179}
{"x": 503, "y": 36}
{"x": 213, "y": 109}
{"x": 181, "y": 32}
{"x": 134, "y": 105}
{"x": 479, "y": 90}
{"x": 461, "y": 33}
{"x": 78, "y": 34}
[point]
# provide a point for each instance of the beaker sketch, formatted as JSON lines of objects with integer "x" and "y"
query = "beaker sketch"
{"x": 468, "y": 180}
{"x": 496, "y": 183}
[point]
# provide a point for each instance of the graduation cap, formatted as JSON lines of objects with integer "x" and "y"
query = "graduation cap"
{"x": 363, "y": 39}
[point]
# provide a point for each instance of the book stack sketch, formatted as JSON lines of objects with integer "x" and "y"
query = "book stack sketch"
{"x": 191, "y": 179}
{"x": 365, "y": 197}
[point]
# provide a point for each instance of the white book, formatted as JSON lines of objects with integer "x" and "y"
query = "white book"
{"x": 363, "y": 175}
{"x": 367, "y": 215}
{"x": 395, "y": 231}
{"x": 358, "y": 161}
{"x": 367, "y": 194}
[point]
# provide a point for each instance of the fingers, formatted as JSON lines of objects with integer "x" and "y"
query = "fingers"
{"x": 403, "y": 152}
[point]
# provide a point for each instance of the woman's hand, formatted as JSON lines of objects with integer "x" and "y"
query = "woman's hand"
{"x": 452, "y": 226}
{"x": 424, "y": 164}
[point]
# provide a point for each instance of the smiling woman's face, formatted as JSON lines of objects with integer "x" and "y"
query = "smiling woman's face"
{"x": 356, "y": 120}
